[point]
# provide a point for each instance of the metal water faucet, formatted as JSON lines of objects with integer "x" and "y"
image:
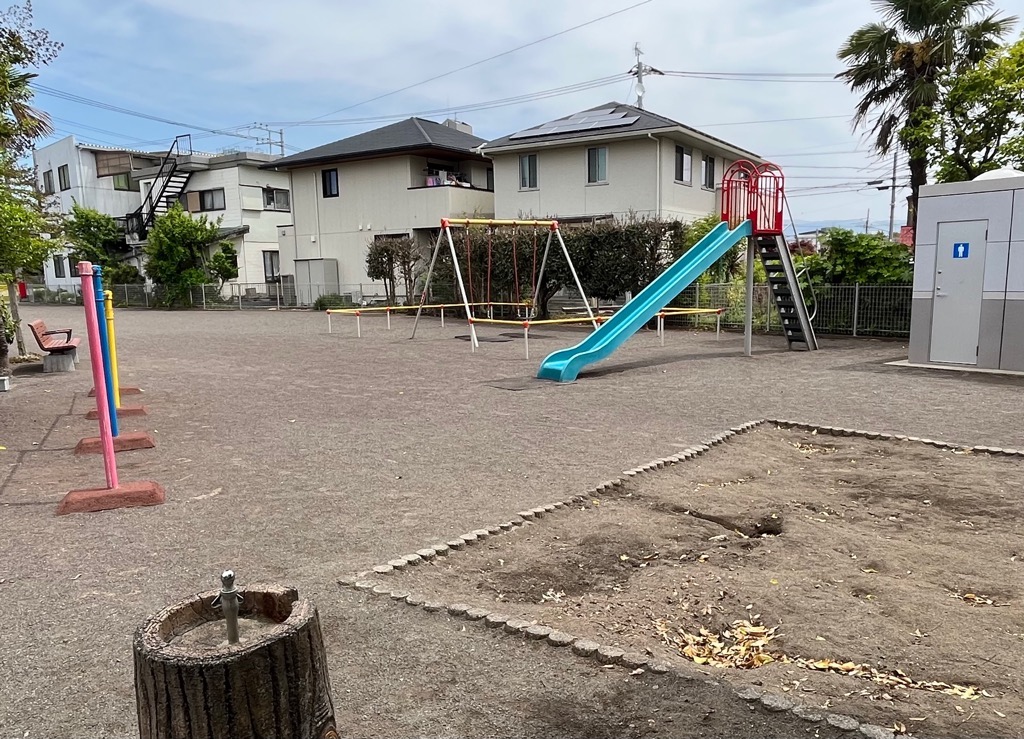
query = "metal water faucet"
{"x": 229, "y": 601}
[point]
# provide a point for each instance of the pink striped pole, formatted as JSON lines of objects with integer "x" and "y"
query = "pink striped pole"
{"x": 98, "y": 379}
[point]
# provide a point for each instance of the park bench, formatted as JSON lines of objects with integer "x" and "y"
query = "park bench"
{"x": 60, "y": 355}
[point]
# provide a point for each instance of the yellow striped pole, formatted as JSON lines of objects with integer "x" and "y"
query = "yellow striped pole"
{"x": 108, "y": 308}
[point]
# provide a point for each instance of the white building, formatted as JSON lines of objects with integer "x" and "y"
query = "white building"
{"x": 612, "y": 161}
{"x": 249, "y": 202}
{"x": 399, "y": 180}
{"x": 135, "y": 187}
{"x": 97, "y": 177}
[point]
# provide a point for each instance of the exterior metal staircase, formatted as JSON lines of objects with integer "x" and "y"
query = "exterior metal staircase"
{"x": 786, "y": 292}
{"x": 168, "y": 184}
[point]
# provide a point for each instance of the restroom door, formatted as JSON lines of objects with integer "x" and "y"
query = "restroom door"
{"x": 959, "y": 282}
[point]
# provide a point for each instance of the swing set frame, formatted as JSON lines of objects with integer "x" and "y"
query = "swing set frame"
{"x": 489, "y": 223}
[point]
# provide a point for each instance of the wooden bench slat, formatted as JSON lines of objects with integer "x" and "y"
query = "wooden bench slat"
{"x": 46, "y": 341}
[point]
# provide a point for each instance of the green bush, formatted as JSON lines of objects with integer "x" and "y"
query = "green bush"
{"x": 324, "y": 302}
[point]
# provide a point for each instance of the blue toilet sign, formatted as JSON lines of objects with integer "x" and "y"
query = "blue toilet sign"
{"x": 961, "y": 250}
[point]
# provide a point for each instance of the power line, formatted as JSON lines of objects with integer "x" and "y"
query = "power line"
{"x": 774, "y": 120}
{"x": 484, "y": 61}
{"x": 755, "y": 77}
{"x": 71, "y": 97}
{"x": 485, "y": 105}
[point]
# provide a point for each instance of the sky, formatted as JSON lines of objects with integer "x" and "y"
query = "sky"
{"x": 318, "y": 69}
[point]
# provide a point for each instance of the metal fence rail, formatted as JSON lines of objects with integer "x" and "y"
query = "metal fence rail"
{"x": 844, "y": 310}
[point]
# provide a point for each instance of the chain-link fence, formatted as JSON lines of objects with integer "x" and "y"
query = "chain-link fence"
{"x": 851, "y": 310}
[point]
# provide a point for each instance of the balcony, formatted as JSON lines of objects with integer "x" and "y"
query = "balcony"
{"x": 428, "y": 205}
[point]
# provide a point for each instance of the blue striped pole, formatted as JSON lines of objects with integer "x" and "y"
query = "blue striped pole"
{"x": 108, "y": 375}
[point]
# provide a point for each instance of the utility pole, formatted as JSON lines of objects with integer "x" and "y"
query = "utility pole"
{"x": 892, "y": 196}
{"x": 867, "y": 221}
{"x": 275, "y": 138}
{"x": 638, "y": 71}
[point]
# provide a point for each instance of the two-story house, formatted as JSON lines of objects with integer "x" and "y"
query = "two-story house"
{"x": 612, "y": 161}
{"x": 97, "y": 177}
{"x": 398, "y": 180}
{"x": 248, "y": 201}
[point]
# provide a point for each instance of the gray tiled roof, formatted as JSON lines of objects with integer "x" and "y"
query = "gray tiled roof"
{"x": 646, "y": 121}
{"x": 410, "y": 134}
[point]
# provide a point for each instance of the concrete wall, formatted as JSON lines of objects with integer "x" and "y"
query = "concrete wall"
{"x": 375, "y": 197}
{"x": 243, "y": 206}
{"x": 1001, "y": 203}
{"x": 87, "y": 189}
{"x": 635, "y": 184}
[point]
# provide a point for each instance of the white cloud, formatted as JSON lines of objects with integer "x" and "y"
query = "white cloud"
{"x": 239, "y": 60}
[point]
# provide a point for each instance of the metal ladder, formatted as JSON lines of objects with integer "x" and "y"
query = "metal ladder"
{"x": 786, "y": 292}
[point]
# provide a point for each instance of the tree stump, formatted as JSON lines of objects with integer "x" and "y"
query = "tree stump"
{"x": 191, "y": 684}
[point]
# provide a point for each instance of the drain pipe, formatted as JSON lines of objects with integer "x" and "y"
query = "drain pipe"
{"x": 657, "y": 196}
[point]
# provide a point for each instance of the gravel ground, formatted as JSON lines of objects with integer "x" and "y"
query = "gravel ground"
{"x": 295, "y": 456}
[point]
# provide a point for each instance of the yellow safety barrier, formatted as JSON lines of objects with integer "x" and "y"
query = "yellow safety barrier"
{"x": 108, "y": 311}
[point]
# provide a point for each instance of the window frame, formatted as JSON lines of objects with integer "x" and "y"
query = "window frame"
{"x": 64, "y": 177}
{"x": 271, "y": 203}
{"x": 684, "y": 153}
{"x": 59, "y": 268}
{"x": 275, "y": 276}
{"x": 330, "y": 177}
{"x": 127, "y": 179}
{"x": 707, "y": 166}
{"x": 212, "y": 192}
{"x": 529, "y": 182}
{"x": 48, "y": 182}
{"x": 599, "y": 180}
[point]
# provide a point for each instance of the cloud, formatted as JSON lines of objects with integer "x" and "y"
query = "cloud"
{"x": 227, "y": 62}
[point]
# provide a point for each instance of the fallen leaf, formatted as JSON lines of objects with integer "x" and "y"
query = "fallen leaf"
{"x": 637, "y": 671}
{"x": 773, "y": 581}
{"x": 868, "y": 570}
{"x": 1000, "y": 714}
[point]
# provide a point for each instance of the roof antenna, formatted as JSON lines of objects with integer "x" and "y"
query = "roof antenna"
{"x": 638, "y": 71}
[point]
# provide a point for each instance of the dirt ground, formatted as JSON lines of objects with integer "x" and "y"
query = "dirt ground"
{"x": 899, "y": 556}
{"x": 295, "y": 456}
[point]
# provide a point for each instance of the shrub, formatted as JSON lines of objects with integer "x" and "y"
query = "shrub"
{"x": 332, "y": 300}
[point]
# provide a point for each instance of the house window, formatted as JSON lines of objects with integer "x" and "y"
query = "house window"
{"x": 528, "y": 172}
{"x": 58, "y": 265}
{"x": 275, "y": 199}
{"x": 707, "y": 172}
{"x": 72, "y": 267}
{"x": 271, "y": 266}
{"x": 329, "y": 178}
{"x": 684, "y": 165}
{"x": 211, "y": 199}
{"x": 122, "y": 181}
{"x": 597, "y": 165}
{"x": 64, "y": 176}
{"x": 490, "y": 178}
{"x": 48, "y": 182}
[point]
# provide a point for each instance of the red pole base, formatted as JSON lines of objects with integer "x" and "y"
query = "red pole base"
{"x": 124, "y": 391}
{"x": 123, "y": 443}
{"x": 126, "y": 411}
{"x": 125, "y": 495}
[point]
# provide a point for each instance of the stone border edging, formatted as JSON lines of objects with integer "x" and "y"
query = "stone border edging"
{"x": 611, "y": 655}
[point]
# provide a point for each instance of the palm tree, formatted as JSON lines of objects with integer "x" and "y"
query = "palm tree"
{"x": 895, "y": 65}
{"x": 22, "y": 123}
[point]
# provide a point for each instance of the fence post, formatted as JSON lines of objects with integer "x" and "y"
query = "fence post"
{"x": 277, "y": 293}
{"x": 768, "y": 314}
{"x": 856, "y": 306}
{"x": 203, "y": 288}
{"x": 239, "y": 299}
{"x": 126, "y": 296}
{"x": 145, "y": 294}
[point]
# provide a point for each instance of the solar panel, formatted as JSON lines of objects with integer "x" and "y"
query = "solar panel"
{"x": 586, "y": 121}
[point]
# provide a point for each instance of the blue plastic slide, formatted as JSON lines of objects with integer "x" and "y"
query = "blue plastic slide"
{"x": 565, "y": 365}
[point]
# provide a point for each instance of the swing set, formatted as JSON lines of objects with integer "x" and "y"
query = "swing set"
{"x": 526, "y": 310}
{"x": 479, "y": 309}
